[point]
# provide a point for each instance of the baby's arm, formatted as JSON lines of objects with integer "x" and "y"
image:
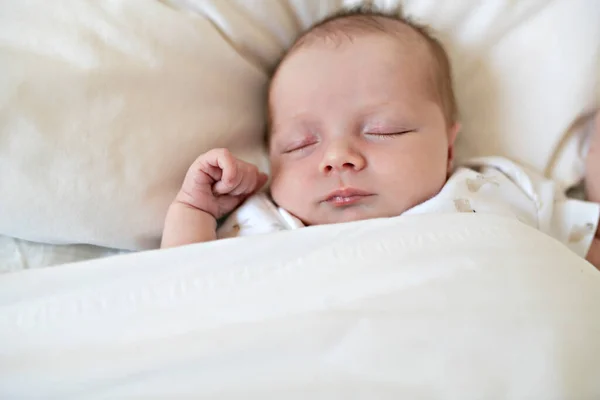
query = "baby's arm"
{"x": 186, "y": 224}
{"x": 214, "y": 185}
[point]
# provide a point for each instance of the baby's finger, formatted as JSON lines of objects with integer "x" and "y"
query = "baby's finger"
{"x": 222, "y": 188}
{"x": 229, "y": 165}
{"x": 250, "y": 176}
{"x": 261, "y": 179}
{"x": 215, "y": 173}
{"x": 231, "y": 176}
{"x": 228, "y": 187}
{"x": 256, "y": 184}
{"x": 217, "y": 158}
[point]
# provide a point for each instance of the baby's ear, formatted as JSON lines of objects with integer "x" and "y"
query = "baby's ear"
{"x": 452, "y": 134}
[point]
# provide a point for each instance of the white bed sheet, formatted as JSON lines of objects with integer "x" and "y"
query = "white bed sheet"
{"x": 456, "y": 306}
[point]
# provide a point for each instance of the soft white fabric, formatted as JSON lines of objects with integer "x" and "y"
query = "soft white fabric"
{"x": 17, "y": 254}
{"x": 498, "y": 186}
{"x": 103, "y": 107}
{"x": 526, "y": 73}
{"x": 257, "y": 215}
{"x": 490, "y": 185}
{"x": 452, "y": 306}
{"x": 104, "y": 104}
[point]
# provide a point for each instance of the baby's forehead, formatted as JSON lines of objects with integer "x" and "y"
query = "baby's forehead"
{"x": 407, "y": 45}
{"x": 414, "y": 44}
{"x": 346, "y": 29}
{"x": 356, "y": 37}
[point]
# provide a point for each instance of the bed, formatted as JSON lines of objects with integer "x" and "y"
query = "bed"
{"x": 104, "y": 104}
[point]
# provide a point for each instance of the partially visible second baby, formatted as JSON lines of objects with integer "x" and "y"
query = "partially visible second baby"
{"x": 362, "y": 125}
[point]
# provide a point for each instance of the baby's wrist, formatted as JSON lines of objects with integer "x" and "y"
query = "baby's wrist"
{"x": 185, "y": 224}
{"x": 185, "y": 205}
{"x": 185, "y": 200}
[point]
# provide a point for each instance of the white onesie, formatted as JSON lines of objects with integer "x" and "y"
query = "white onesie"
{"x": 491, "y": 185}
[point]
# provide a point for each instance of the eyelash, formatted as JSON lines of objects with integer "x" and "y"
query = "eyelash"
{"x": 380, "y": 135}
{"x": 299, "y": 148}
{"x": 400, "y": 133}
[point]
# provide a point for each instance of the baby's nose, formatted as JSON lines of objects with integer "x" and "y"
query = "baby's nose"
{"x": 342, "y": 158}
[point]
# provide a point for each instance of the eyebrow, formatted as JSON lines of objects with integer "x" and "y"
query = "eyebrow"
{"x": 297, "y": 116}
{"x": 274, "y": 131}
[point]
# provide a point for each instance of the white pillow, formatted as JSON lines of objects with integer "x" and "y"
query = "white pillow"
{"x": 104, "y": 104}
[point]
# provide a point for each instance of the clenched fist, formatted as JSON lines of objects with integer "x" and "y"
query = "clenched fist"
{"x": 217, "y": 182}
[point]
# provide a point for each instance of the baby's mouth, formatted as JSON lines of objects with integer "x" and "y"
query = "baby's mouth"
{"x": 346, "y": 197}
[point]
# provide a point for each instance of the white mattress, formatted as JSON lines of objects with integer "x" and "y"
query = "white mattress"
{"x": 456, "y": 306}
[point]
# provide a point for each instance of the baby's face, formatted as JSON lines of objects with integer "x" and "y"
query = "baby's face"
{"x": 356, "y": 131}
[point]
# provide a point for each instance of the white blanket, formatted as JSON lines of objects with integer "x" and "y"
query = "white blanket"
{"x": 456, "y": 306}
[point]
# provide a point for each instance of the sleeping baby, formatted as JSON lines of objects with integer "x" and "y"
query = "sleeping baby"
{"x": 362, "y": 124}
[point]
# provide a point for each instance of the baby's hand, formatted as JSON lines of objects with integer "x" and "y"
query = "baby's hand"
{"x": 217, "y": 182}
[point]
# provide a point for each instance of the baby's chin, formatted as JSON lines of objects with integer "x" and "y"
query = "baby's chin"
{"x": 351, "y": 214}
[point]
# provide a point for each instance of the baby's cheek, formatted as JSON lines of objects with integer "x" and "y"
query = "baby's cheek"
{"x": 414, "y": 179}
{"x": 284, "y": 186}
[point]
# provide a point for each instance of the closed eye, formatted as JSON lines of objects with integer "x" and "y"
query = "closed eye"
{"x": 299, "y": 147}
{"x": 390, "y": 134}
